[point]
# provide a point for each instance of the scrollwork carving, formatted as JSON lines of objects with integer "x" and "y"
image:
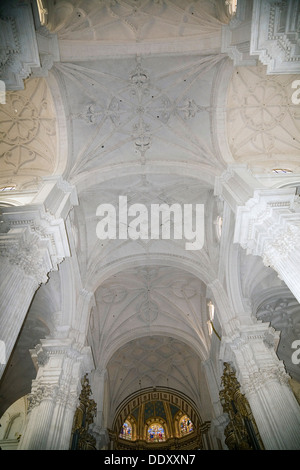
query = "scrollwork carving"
{"x": 241, "y": 432}
{"x": 40, "y": 393}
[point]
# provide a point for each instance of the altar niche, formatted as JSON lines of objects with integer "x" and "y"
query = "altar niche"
{"x": 159, "y": 420}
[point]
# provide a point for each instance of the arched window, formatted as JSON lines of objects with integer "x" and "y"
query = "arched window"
{"x": 185, "y": 425}
{"x": 126, "y": 431}
{"x": 156, "y": 433}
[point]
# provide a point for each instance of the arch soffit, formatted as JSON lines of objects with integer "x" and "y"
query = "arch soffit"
{"x": 56, "y": 87}
{"x": 188, "y": 265}
{"x": 173, "y": 332}
{"x": 204, "y": 173}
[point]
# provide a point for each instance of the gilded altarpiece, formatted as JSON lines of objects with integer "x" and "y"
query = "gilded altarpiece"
{"x": 84, "y": 416}
{"x": 241, "y": 432}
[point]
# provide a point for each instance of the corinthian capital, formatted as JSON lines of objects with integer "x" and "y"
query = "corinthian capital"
{"x": 27, "y": 251}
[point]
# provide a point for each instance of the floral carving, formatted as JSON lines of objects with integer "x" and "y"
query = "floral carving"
{"x": 139, "y": 110}
{"x": 262, "y": 121}
{"x": 28, "y": 134}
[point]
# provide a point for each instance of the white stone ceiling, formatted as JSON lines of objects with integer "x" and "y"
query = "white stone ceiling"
{"x": 149, "y": 299}
{"x": 154, "y": 361}
{"x": 141, "y": 111}
{"x": 263, "y": 122}
{"x": 97, "y": 255}
{"x": 149, "y": 328}
{"x": 136, "y": 26}
{"x": 28, "y": 136}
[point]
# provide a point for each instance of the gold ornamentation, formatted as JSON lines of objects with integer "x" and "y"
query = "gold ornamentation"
{"x": 241, "y": 432}
{"x": 84, "y": 417}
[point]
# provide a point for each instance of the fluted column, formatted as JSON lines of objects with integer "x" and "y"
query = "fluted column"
{"x": 33, "y": 242}
{"x": 265, "y": 384}
{"x": 99, "y": 431}
{"x": 54, "y": 395}
{"x": 24, "y": 266}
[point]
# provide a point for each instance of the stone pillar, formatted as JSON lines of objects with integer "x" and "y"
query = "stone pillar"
{"x": 99, "y": 431}
{"x": 33, "y": 241}
{"x": 54, "y": 395}
{"x": 219, "y": 421}
{"x": 269, "y": 226}
{"x": 22, "y": 271}
{"x": 267, "y": 222}
{"x": 265, "y": 384}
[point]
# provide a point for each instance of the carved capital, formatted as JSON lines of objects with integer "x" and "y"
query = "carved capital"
{"x": 27, "y": 251}
{"x": 41, "y": 392}
{"x": 269, "y": 221}
{"x": 284, "y": 244}
{"x": 34, "y": 237}
{"x": 257, "y": 380}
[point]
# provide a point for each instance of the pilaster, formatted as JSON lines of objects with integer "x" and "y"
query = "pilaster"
{"x": 267, "y": 222}
{"x": 33, "y": 242}
{"x": 54, "y": 395}
{"x": 265, "y": 384}
{"x": 99, "y": 431}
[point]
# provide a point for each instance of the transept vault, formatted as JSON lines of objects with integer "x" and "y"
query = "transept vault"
{"x": 171, "y": 322}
